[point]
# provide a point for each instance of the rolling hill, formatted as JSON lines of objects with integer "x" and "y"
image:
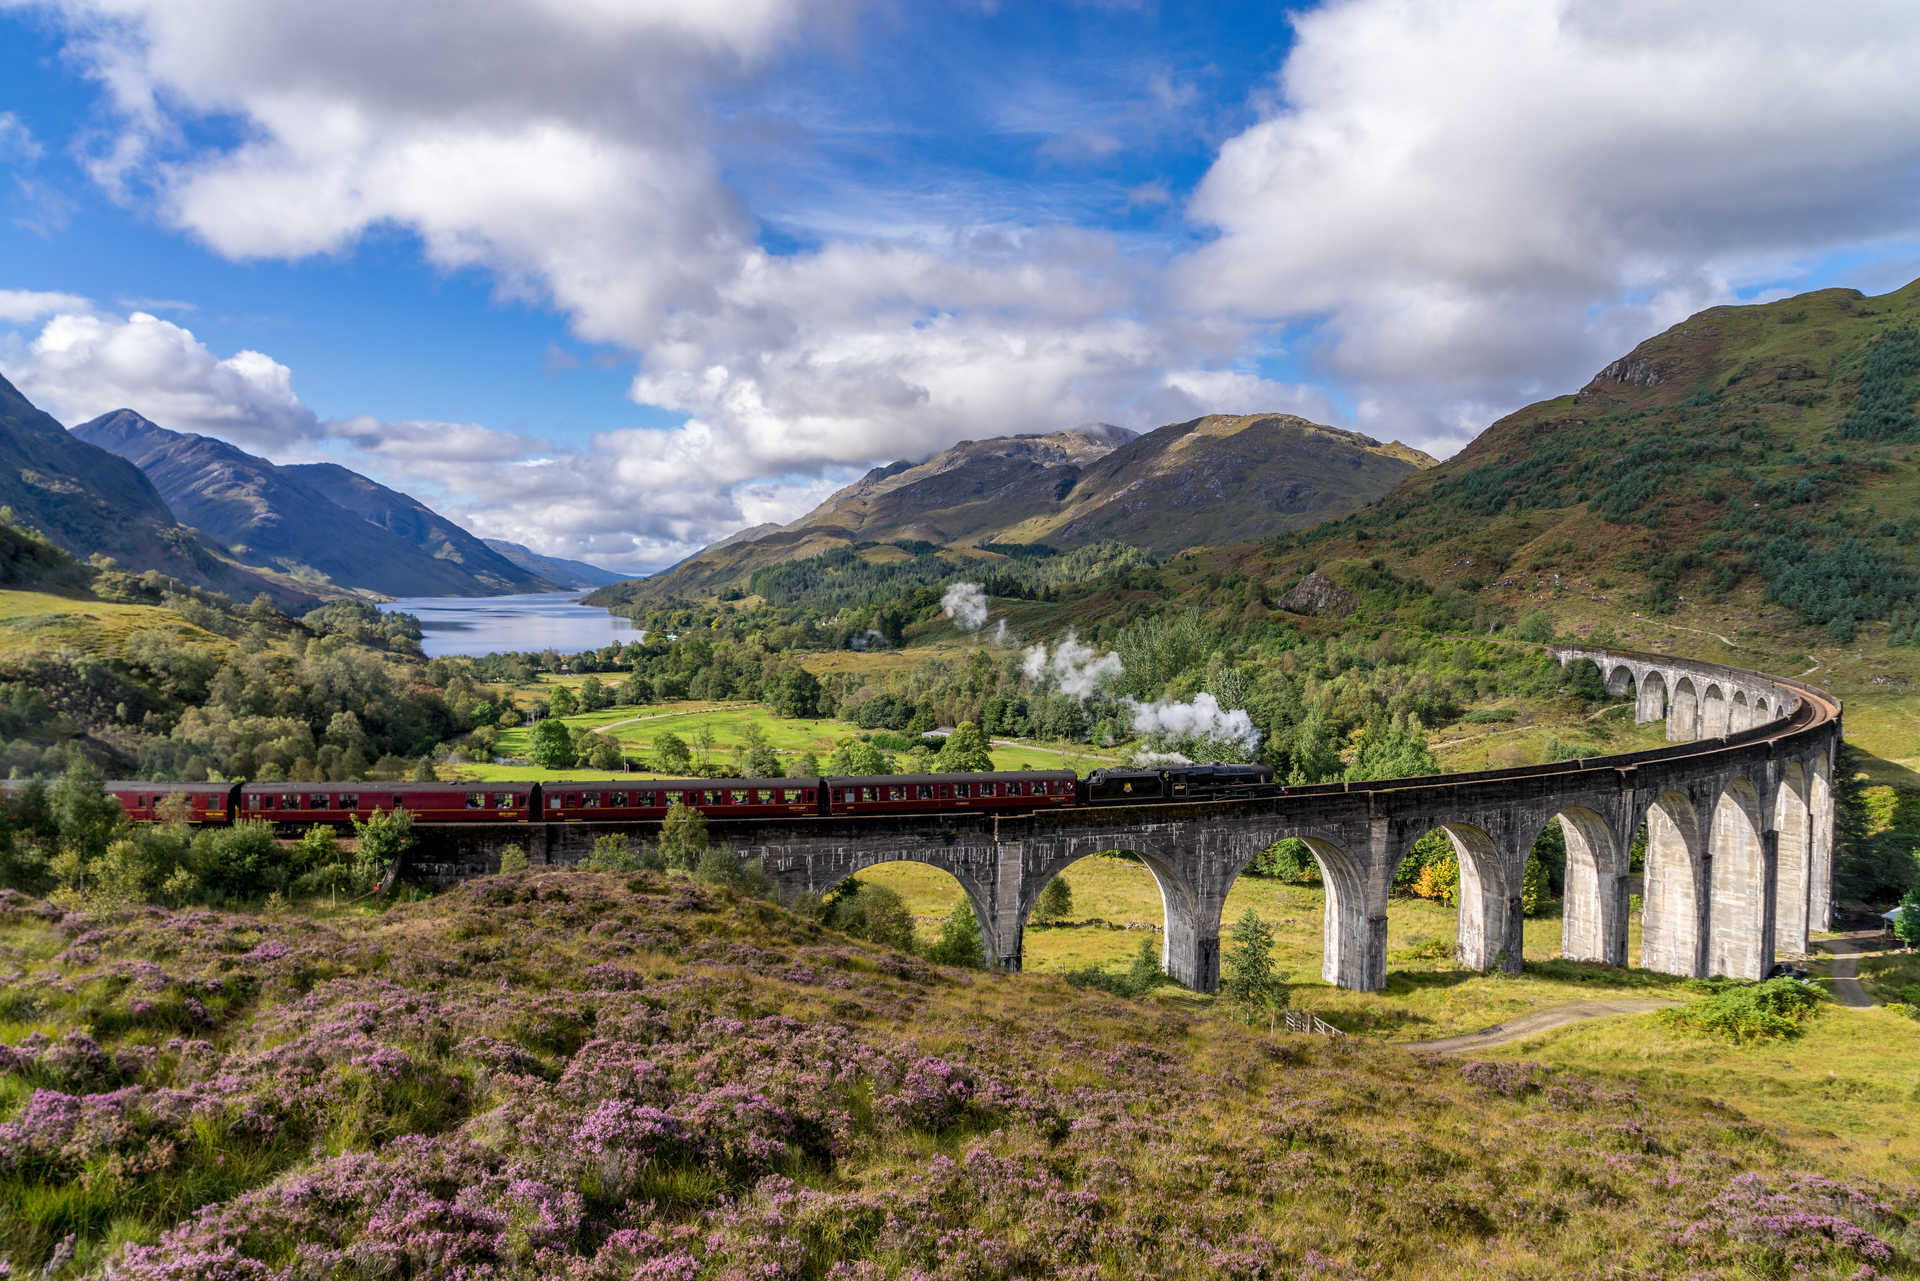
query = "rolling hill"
{"x": 1211, "y": 480}
{"x": 288, "y": 519}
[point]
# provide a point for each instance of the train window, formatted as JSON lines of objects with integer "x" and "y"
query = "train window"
{"x": 503, "y": 800}
{"x": 853, "y": 794}
{"x": 675, "y": 798}
{"x": 593, "y": 800}
{"x": 766, "y": 796}
{"x": 897, "y": 792}
{"x": 617, "y": 800}
{"x": 716, "y": 797}
{"x": 926, "y": 791}
{"x": 946, "y": 791}
{"x": 573, "y": 800}
{"x": 869, "y": 793}
{"x": 742, "y": 797}
{"x": 290, "y": 802}
{"x": 349, "y": 802}
{"x": 253, "y": 802}
{"x": 476, "y": 800}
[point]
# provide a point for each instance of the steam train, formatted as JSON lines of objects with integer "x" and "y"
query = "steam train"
{"x": 1019, "y": 791}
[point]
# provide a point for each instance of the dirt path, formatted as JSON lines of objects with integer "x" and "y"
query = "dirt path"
{"x": 1538, "y": 1021}
{"x": 1846, "y": 950}
{"x": 1728, "y": 641}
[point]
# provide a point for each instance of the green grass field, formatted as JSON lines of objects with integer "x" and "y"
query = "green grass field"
{"x": 1850, "y": 1086}
{"x": 1116, "y": 904}
{"x": 639, "y": 728}
{"x": 34, "y": 622}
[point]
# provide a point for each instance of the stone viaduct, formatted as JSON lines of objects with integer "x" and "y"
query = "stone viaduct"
{"x": 1738, "y": 812}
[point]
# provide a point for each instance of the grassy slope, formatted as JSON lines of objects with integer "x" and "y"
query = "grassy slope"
{"x": 417, "y": 1093}
{"x": 33, "y": 622}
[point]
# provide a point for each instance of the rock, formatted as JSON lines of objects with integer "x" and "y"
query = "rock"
{"x": 1317, "y": 594}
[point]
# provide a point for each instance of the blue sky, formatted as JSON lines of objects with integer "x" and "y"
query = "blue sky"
{"x": 613, "y": 279}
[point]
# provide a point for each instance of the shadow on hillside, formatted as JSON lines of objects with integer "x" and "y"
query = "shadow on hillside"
{"x": 1879, "y": 769}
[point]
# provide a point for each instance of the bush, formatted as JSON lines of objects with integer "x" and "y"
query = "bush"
{"x": 1138, "y": 979}
{"x": 720, "y": 866}
{"x": 1289, "y": 860}
{"x": 959, "y": 940}
{"x": 1536, "y": 627}
{"x": 683, "y": 837}
{"x": 242, "y": 861}
{"x": 871, "y": 912}
{"x": 611, "y": 853}
{"x": 1747, "y": 1012}
{"x": 513, "y": 859}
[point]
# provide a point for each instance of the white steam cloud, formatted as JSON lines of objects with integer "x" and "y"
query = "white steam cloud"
{"x": 966, "y": 605}
{"x": 1073, "y": 668}
{"x": 1199, "y": 720}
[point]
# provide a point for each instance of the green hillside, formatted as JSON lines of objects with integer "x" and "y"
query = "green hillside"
{"x": 1755, "y": 465}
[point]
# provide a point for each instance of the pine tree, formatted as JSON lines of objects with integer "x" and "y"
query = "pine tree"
{"x": 1056, "y": 902}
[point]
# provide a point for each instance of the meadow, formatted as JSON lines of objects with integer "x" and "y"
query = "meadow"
{"x": 601, "y": 1076}
{"x": 639, "y": 728}
{"x": 1116, "y": 905}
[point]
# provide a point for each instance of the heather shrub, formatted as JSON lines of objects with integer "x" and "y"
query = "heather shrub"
{"x": 602, "y": 1077}
{"x": 1746, "y": 1012}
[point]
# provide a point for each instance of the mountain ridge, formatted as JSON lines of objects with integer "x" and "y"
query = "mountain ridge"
{"x": 89, "y": 501}
{"x": 1164, "y": 490}
{"x": 557, "y": 570}
{"x": 289, "y": 520}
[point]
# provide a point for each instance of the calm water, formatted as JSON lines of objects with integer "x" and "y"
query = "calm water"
{"x": 503, "y": 624}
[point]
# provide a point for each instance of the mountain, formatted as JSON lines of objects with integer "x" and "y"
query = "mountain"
{"x": 420, "y": 526}
{"x": 91, "y": 502}
{"x": 288, "y": 518}
{"x": 555, "y": 569}
{"x": 1753, "y": 467}
{"x": 1222, "y": 478}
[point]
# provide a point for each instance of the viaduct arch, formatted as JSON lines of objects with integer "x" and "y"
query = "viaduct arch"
{"x": 1738, "y": 809}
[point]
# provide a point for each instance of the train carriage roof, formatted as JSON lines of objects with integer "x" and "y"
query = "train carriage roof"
{"x": 982, "y": 776}
{"x": 691, "y": 784}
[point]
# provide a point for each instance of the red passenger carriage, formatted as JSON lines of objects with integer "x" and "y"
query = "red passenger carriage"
{"x": 427, "y": 802}
{"x": 937, "y": 793}
{"x": 610, "y": 802}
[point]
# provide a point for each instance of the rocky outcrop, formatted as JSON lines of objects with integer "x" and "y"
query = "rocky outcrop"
{"x": 1316, "y": 594}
